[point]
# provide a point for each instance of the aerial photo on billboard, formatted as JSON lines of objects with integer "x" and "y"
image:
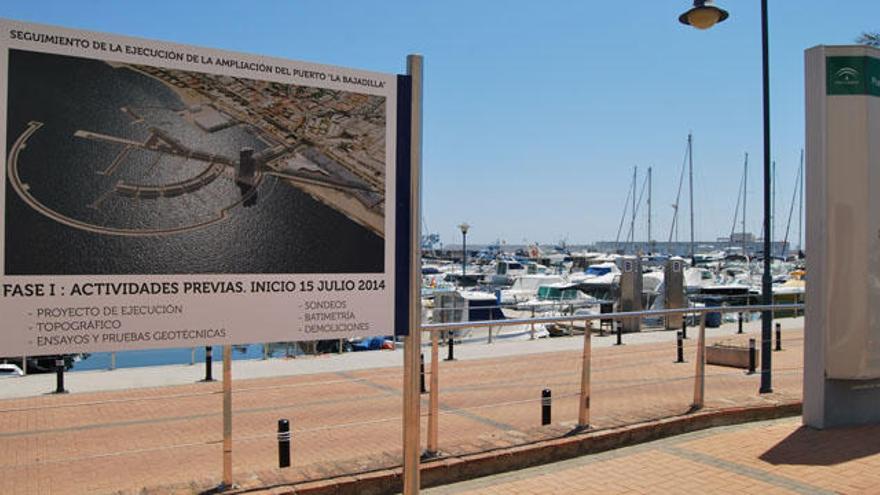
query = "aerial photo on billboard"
{"x": 142, "y": 169}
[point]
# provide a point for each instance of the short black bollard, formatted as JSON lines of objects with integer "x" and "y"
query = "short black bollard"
{"x": 684, "y": 327}
{"x": 422, "y": 373}
{"x": 619, "y": 334}
{"x": 740, "y": 329}
{"x": 283, "y": 443}
{"x": 209, "y": 358}
{"x": 450, "y": 356}
{"x": 545, "y": 407}
{"x": 680, "y": 346}
{"x": 59, "y": 377}
{"x": 778, "y": 337}
{"x": 752, "y": 356}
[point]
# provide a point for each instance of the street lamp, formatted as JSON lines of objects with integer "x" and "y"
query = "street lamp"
{"x": 464, "y": 228}
{"x": 704, "y": 15}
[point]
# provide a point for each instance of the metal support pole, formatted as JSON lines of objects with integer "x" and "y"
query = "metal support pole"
{"x": 59, "y": 377}
{"x": 619, "y": 333}
{"x": 740, "y": 323}
{"x": 283, "y": 443}
{"x": 434, "y": 398}
{"x": 584, "y": 406}
{"x": 778, "y": 337}
{"x": 684, "y": 326}
{"x": 341, "y": 346}
{"x": 227, "y": 417}
{"x": 752, "y": 357}
{"x": 490, "y": 336}
{"x": 679, "y": 345}
{"x": 412, "y": 342}
{"x": 192, "y": 356}
{"x": 24, "y": 366}
{"x": 766, "y": 280}
{"x": 700, "y": 367}
{"x": 265, "y": 352}
{"x": 546, "y": 413}
{"x": 112, "y": 360}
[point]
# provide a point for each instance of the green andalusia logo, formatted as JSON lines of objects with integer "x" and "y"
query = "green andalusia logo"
{"x": 847, "y": 76}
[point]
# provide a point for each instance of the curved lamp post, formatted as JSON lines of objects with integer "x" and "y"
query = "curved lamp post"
{"x": 464, "y": 230}
{"x": 704, "y": 15}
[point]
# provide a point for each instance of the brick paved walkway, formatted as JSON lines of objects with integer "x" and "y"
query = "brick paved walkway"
{"x": 345, "y": 421}
{"x": 769, "y": 457}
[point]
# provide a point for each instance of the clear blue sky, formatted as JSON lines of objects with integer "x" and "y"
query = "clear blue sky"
{"x": 536, "y": 112}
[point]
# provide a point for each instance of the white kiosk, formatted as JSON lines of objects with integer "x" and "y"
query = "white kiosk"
{"x": 842, "y": 335}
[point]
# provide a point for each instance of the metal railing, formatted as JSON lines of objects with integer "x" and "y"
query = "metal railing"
{"x": 584, "y": 395}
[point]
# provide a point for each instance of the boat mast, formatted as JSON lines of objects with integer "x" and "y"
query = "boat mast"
{"x": 691, "y": 181}
{"x": 794, "y": 193}
{"x": 622, "y": 218}
{"x": 650, "y": 246}
{"x": 632, "y": 224}
{"x": 674, "y": 227}
{"x": 801, "y": 207}
{"x": 739, "y": 197}
{"x": 773, "y": 208}
{"x": 745, "y": 196}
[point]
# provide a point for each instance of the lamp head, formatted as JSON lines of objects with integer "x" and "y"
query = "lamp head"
{"x": 464, "y": 227}
{"x": 703, "y": 15}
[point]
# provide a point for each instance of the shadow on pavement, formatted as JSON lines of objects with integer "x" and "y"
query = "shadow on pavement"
{"x": 811, "y": 447}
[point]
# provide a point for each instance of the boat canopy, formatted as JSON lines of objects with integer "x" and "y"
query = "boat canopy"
{"x": 600, "y": 269}
{"x": 560, "y": 292}
{"x": 484, "y": 310}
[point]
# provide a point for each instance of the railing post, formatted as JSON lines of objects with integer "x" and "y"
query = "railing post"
{"x": 619, "y": 333}
{"x": 684, "y": 326}
{"x": 422, "y": 373}
{"x": 532, "y": 330}
{"x": 700, "y": 367}
{"x": 491, "y": 318}
{"x": 434, "y": 398}
{"x": 227, "y": 417}
{"x": 584, "y": 406}
{"x": 740, "y": 323}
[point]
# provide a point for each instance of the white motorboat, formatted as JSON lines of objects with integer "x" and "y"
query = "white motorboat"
{"x": 471, "y": 305}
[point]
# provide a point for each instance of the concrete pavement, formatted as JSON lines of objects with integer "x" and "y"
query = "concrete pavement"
{"x": 769, "y": 457}
{"x": 167, "y": 439}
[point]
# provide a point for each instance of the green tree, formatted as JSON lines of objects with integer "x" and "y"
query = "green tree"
{"x": 870, "y": 39}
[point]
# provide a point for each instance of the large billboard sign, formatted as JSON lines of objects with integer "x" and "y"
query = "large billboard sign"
{"x": 161, "y": 195}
